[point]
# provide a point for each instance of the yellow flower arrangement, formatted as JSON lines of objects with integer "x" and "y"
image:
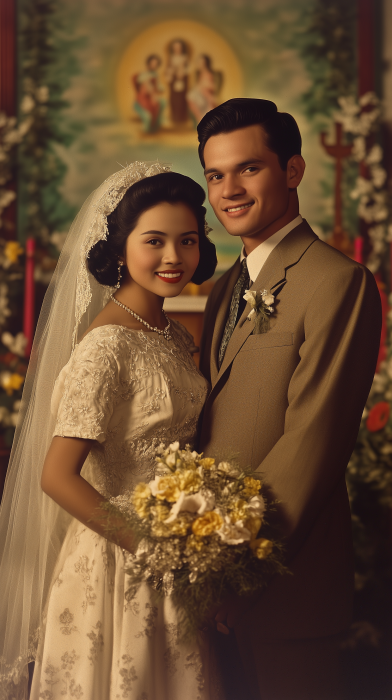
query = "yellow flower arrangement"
{"x": 262, "y": 548}
{"x": 207, "y": 524}
{"x": 202, "y": 532}
{"x": 207, "y": 462}
{"x": 251, "y": 487}
{"x": 239, "y": 511}
{"x": 12, "y": 250}
{"x": 11, "y": 382}
{"x": 189, "y": 481}
{"x": 169, "y": 489}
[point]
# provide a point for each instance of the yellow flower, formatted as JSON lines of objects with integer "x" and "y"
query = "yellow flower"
{"x": 11, "y": 382}
{"x": 252, "y": 487}
{"x": 141, "y": 494}
{"x": 207, "y": 462}
{"x": 195, "y": 543}
{"x": 160, "y": 511}
{"x": 262, "y": 548}
{"x": 207, "y": 524}
{"x": 189, "y": 480}
{"x": 179, "y": 527}
{"x": 12, "y": 251}
{"x": 168, "y": 489}
{"x": 253, "y": 524}
{"x": 142, "y": 490}
{"x": 239, "y": 511}
{"x": 140, "y": 505}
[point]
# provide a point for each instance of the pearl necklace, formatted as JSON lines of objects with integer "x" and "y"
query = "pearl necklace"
{"x": 165, "y": 332}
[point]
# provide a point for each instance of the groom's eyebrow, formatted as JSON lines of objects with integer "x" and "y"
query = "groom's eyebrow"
{"x": 238, "y": 165}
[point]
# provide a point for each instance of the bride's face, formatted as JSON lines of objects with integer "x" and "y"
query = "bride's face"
{"x": 162, "y": 251}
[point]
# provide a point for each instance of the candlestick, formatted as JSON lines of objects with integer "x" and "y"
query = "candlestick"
{"x": 29, "y": 296}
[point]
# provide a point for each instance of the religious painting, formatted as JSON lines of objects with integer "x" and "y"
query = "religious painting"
{"x": 170, "y": 76}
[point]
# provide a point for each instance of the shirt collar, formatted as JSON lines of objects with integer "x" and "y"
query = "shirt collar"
{"x": 256, "y": 259}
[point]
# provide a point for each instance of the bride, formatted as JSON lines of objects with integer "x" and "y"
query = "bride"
{"x": 110, "y": 378}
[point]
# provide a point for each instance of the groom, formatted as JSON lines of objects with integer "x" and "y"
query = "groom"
{"x": 288, "y": 401}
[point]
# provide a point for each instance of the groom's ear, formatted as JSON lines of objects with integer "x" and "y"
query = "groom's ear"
{"x": 295, "y": 171}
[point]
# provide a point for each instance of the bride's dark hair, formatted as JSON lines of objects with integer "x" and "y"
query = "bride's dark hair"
{"x": 143, "y": 195}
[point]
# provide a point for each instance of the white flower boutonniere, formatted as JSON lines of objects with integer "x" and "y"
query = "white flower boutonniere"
{"x": 262, "y": 307}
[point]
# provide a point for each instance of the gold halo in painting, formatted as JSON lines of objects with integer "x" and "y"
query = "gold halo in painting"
{"x": 169, "y": 76}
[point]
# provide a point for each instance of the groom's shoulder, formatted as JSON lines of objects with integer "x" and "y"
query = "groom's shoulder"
{"x": 322, "y": 259}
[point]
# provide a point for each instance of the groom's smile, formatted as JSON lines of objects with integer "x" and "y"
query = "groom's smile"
{"x": 251, "y": 194}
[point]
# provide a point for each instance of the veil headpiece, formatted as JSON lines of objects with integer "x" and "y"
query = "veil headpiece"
{"x": 32, "y": 525}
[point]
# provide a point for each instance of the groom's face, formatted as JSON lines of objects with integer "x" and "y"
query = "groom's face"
{"x": 247, "y": 187}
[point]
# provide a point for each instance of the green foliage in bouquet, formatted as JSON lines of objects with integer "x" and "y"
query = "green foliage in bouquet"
{"x": 203, "y": 533}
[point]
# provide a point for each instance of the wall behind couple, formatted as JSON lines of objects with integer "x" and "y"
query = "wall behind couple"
{"x": 138, "y": 77}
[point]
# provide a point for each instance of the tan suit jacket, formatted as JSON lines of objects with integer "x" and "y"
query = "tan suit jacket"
{"x": 288, "y": 403}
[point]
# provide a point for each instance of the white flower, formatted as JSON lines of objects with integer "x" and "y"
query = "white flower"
{"x": 359, "y": 148}
{"x": 268, "y": 298}
{"x": 27, "y": 104}
{"x": 375, "y": 155}
{"x": 234, "y": 533}
{"x": 250, "y": 297}
{"x": 42, "y": 93}
{"x": 228, "y": 469}
{"x": 16, "y": 344}
{"x": 58, "y": 239}
{"x": 174, "y": 447}
{"x": 154, "y": 485}
{"x": 256, "y": 506}
{"x": 4, "y": 416}
{"x": 363, "y": 187}
{"x": 378, "y": 175}
{"x": 195, "y": 503}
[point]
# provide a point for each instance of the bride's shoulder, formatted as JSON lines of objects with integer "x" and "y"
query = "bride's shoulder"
{"x": 101, "y": 341}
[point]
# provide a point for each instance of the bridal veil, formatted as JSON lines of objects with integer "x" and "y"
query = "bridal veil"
{"x": 32, "y": 525}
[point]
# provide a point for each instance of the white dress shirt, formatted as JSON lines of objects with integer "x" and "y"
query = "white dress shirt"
{"x": 256, "y": 259}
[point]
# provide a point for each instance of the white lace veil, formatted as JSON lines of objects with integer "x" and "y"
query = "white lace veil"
{"x": 32, "y": 525}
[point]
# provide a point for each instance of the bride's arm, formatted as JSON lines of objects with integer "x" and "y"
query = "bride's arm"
{"x": 61, "y": 480}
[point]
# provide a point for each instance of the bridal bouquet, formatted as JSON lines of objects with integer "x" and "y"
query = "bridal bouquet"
{"x": 202, "y": 533}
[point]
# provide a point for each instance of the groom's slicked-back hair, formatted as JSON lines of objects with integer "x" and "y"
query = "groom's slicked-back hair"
{"x": 281, "y": 129}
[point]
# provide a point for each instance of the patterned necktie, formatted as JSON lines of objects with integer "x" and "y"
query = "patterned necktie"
{"x": 242, "y": 284}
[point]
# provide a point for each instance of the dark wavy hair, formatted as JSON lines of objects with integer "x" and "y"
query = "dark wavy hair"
{"x": 281, "y": 129}
{"x": 143, "y": 195}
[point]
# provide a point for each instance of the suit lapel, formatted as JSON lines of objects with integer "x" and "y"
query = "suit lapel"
{"x": 223, "y": 304}
{"x": 272, "y": 276}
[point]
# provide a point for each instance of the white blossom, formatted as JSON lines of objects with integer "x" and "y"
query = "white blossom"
{"x": 256, "y": 506}
{"x": 27, "y": 104}
{"x": 228, "y": 469}
{"x": 42, "y": 93}
{"x": 16, "y": 344}
{"x": 195, "y": 503}
{"x": 234, "y": 533}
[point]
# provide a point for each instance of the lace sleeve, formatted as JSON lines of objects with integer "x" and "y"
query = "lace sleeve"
{"x": 86, "y": 390}
{"x": 186, "y": 337}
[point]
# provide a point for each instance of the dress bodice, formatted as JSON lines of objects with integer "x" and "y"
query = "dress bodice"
{"x": 128, "y": 391}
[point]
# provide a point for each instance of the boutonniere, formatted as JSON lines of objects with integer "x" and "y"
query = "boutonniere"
{"x": 262, "y": 307}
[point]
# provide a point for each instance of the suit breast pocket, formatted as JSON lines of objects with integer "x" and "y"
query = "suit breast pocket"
{"x": 268, "y": 340}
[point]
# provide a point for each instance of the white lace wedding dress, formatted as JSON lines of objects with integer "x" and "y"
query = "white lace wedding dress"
{"x": 129, "y": 391}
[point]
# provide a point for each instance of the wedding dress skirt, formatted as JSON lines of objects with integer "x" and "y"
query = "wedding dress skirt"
{"x": 128, "y": 391}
